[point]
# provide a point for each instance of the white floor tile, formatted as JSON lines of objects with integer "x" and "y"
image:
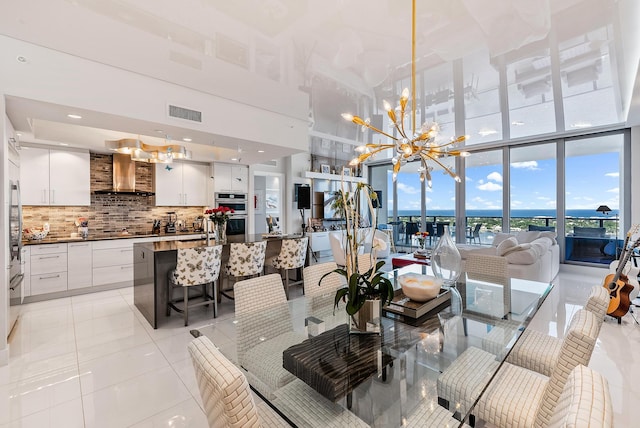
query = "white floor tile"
{"x": 87, "y": 310}
{"x": 134, "y": 400}
{"x": 93, "y": 297}
{"x": 185, "y": 415}
{"x": 27, "y": 397}
{"x": 115, "y": 368}
{"x": 106, "y": 329}
{"x": 112, "y": 342}
{"x": 68, "y": 415}
{"x": 185, "y": 371}
{"x": 29, "y": 365}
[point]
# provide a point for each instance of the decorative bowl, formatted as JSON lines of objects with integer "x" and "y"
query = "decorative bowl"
{"x": 420, "y": 288}
{"x": 34, "y": 234}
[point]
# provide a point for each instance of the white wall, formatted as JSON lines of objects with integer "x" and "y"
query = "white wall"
{"x": 4, "y": 235}
{"x": 635, "y": 175}
{"x": 58, "y": 78}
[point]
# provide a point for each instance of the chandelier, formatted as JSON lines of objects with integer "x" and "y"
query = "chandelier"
{"x": 141, "y": 152}
{"x": 410, "y": 144}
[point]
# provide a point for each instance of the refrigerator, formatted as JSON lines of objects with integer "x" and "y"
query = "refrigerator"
{"x": 16, "y": 274}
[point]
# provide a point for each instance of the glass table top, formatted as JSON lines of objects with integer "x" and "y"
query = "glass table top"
{"x": 301, "y": 352}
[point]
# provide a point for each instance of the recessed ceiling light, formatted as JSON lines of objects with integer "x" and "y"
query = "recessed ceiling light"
{"x": 581, "y": 125}
{"x": 234, "y": 159}
{"x": 260, "y": 151}
{"x": 187, "y": 139}
{"x": 74, "y": 116}
{"x": 21, "y": 59}
{"x": 517, "y": 123}
{"x": 487, "y": 131}
{"x": 18, "y": 134}
{"x": 64, "y": 144}
{"x": 159, "y": 131}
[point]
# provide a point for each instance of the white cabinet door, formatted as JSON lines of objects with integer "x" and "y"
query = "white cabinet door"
{"x": 34, "y": 176}
{"x": 79, "y": 262}
{"x": 169, "y": 185}
{"x": 222, "y": 177}
{"x": 239, "y": 179}
{"x": 69, "y": 178}
{"x": 195, "y": 178}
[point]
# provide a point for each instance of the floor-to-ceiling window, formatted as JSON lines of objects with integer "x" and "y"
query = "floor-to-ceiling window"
{"x": 594, "y": 171}
{"x": 484, "y": 189}
{"x": 533, "y": 185}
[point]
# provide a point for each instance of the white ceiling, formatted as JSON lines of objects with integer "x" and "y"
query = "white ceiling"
{"x": 363, "y": 45}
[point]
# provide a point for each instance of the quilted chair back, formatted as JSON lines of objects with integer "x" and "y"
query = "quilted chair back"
{"x": 225, "y": 392}
{"x": 485, "y": 264}
{"x": 598, "y": 302}
{"x": 585, "y": 401}
{"x": 293, "y": 253}
{"x": 576, "y": 349}
{"x": 246, "y": 259}
{"x": 197, "y": 266}
{"x": 261, "y": 310}
{"x": 313, "y": 274}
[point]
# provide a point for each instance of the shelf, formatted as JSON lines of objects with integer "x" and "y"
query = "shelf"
{"x": 334, "y": 177}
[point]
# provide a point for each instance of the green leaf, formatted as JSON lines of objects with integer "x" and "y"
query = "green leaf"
{"x": 340, "y": 294}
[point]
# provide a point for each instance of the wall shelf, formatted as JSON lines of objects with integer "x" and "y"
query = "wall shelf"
{"x": 334, "y": 177}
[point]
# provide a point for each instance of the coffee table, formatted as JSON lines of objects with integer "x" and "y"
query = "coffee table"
{"x": 409, "y": 259}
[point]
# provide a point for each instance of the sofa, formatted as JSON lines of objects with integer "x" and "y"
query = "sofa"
{"x": 532, "y": 255}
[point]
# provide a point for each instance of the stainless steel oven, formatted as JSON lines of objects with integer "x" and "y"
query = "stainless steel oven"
{"x": 238, "y": 202}
{"x": 15, "y": 242}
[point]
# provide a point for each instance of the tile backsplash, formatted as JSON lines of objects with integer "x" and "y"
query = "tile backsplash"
{"x": 109, "y": 214}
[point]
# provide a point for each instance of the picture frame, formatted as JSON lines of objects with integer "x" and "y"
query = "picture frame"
{"x": 346, "y": 171}
{"x": 325, "y": 169}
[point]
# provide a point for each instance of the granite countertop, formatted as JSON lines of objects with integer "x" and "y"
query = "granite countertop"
{"x": 175, "y": 245}
{"x": 107, "y": 236}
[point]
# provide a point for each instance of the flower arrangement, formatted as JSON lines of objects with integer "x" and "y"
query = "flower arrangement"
{"x": 82, "y": 222}
{"x": 219, "y": 215}
{"x": 421, "y": 237}
{"x": 371, "y": 284}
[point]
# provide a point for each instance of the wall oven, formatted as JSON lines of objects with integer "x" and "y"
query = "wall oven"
{"x": 238, "y": 202}
{"x": 15, "y": 239}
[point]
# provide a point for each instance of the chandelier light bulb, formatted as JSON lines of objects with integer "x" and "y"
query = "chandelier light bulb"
{"x": 347, "y": 116}
{"x": 386, "y": 105}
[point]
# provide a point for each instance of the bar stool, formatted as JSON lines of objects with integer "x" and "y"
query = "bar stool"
{"x": 246, "y": 260}
{"x": 293, "y": 255}
{"x": 195, "y": 266}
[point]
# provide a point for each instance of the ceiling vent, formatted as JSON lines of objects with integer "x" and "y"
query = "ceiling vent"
{"x": 185, "y": 113}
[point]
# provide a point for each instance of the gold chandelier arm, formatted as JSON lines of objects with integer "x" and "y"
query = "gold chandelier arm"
{"x": 446, "y": 168}
{"x": 381, "y": 132}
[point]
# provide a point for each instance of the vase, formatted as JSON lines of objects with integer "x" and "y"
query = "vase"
{"x": 221, "y": 233}
{"x": 367, "y": 319}
{"x": 445, "y": 259}
{"x": 83, "y": 232}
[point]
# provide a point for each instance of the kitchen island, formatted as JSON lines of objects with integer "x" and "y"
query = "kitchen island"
{"x": 154, "y": 260}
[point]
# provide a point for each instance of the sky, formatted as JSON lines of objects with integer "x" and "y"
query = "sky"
{"x": 591, "y": 180}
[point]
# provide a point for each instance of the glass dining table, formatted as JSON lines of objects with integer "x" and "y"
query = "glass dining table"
{"x": 381, "y": 380}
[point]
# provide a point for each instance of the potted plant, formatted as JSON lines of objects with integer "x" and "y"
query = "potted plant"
{"x": 366, "y": 292}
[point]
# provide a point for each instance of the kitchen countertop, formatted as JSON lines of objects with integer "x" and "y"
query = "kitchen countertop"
{"x": 107, "y": 236}
{"x": 174, "y": 245}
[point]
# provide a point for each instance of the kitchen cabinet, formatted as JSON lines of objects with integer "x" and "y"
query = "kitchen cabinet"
{"x": 185, "y": 184}
{"x": 319, "y": 241}
{"x": 48, "y": 268}
{"x": 80, "y": 267}
{"x": 112, "y": 261}
{"x": 231, "y": 178}
{"x": 26, "y": 271}
{"x": 55, "y": 177}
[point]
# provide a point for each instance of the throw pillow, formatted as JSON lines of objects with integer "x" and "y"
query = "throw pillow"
{"x": 506, "y": 245}
{"x": 550, "y": 235}
{"x": 518, "y": 247}
{"x": 526, "y": 236}
{"x": 499, "y": 238}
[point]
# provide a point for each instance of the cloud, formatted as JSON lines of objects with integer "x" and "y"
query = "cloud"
{"x": 408, "y": 189}
{"x": 490, "y": 187}
{"x": 614, "y": 190}
{"x": 516, "y": 203}
{"x": 543, "y": 198}
{"x": 495, "y": 176}
{"x": 530, "y": 165}
{"x": 468, "y": 179}
{"x": 612, "y": 174}
{"x": 479, "y": 199}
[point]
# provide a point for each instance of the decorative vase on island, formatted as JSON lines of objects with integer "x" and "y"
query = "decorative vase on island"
{"x": 367, "y": 319}
{"x": 445, "y": 259}
{"x": 221, "y": 233}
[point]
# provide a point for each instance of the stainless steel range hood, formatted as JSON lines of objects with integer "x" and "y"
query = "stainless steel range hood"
{"x": 124, "y": 178}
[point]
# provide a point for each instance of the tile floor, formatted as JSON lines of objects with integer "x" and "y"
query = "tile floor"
{"x": 94, "y": 361}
